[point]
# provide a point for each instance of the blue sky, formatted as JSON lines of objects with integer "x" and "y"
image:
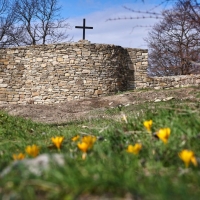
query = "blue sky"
{"x": 118, "y": 32}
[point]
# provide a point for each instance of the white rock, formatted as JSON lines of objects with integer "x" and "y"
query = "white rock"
{"x": 35, "y": 165}
{"x": 110, "y": 103}
{"x": 157, "y": 100}
{"x": 168, "y": 98}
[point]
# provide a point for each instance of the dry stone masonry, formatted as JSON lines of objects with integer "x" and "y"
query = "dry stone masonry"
{"x": 47, "y": 74}
{"x": 168, "y": 82}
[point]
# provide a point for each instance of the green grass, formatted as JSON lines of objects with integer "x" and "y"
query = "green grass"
{"x": 198, "y": 95}
{"x": 108, "y": 170}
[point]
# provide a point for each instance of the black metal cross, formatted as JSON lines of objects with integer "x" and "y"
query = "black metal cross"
{"x": 84, "y": 27}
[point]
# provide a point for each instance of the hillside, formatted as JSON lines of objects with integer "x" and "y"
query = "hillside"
{"x": 85, "y": 109}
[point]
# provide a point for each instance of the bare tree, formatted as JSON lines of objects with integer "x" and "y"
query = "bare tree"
{"x": 192, "y": 7}
{"x": 39, "y": 22}
{"x": 174, "y": 43}
{"x": 52, "y": 26}
{"x": 3, "y": 6}
{"x": 6, "y": 23}
{"x": 194, "y": 13}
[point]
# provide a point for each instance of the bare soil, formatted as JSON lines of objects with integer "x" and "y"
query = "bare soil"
{"x": 83, "y": 109}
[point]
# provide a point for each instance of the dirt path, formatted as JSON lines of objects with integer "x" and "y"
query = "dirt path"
{"x": 75, "y": 110}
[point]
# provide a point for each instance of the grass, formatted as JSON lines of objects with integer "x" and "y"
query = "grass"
{"x": 108, "y": 172}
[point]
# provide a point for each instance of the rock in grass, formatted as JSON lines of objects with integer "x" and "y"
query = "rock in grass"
{"x": 35, "y": 165}
{"x": 157, "y": 100}
{"x": 168, "y": 98}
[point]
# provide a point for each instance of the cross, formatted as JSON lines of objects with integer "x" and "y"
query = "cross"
{"x": 84, "y": 27}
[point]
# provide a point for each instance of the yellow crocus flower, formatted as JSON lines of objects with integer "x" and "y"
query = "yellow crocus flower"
{"x": 32, "y": 150}
{"x": 75, "y": 138}
{"x": 83, "y": 146}
{"x": 148, "y": 125}
{"x": 57, "y": 141}
{"x": 86, "y": 144}
{"x": 89, "y": 140}
{"x": 163, "y": 134}
{"x": 19, "y": 156}
{"x": 187, "y": 156}
{"x": 134, "y": 149}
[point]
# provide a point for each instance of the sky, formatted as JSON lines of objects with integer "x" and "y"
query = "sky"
{"x": 119, "y": 32}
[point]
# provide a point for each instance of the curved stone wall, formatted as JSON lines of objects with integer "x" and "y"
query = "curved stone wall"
{"x": 46, "y": 74}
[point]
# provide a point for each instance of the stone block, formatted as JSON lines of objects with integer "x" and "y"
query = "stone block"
{"x": 38, "y": 59}
{"x": 62, "y": 84}
{"x": 86, "y": 71}
{"x": 85, "y": 53}
{"x": 3, "y": 85}
{"x": 43, "y": 65}
{"x": 98, "y": 92}
{"x": 35, "y": 94}
{"x": 60, "y": 59}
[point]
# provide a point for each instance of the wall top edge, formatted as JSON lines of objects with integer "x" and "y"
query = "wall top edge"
{"x": 79, "y": 43}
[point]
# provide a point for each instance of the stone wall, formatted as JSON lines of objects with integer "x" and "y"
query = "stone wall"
{"x": 47, "y": 74}
{"x": 168, "y": 82}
